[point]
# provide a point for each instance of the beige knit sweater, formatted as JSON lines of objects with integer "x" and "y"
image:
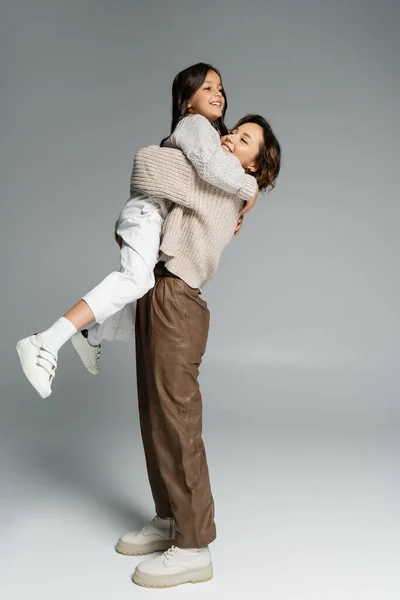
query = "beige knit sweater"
{"x": 200, "y": 223}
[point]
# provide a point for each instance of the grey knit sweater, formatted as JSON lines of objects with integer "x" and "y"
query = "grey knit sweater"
{"x": 202, "y": 220}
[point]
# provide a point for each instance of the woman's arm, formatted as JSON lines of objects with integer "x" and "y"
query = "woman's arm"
{"x": 163, "y": 173}
{"x": 166, "y": 173}
{"x": 200, "y": 142}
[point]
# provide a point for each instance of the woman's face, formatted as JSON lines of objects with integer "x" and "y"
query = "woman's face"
{"x": 245, "y": 142}
{"x": 208, "y": 100}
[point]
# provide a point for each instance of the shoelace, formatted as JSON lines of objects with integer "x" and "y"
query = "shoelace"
{"x": 170, "y": 552}
{"x": 98, "y": 350}
{"x": 148, "y": 524}
{"x": 50, "y": 361}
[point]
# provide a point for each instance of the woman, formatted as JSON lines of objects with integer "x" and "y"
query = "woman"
{"x": 171, "y": 333}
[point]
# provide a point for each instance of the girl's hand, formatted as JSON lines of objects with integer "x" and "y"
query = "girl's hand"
{"x": 117, "y": 238}
{"x": 238, "y": 226}
{"x": 249, "y": 205}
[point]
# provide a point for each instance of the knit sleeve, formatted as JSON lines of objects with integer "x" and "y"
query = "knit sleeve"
{"x": 200, "y": 142}
{"x": 162, "y": 173}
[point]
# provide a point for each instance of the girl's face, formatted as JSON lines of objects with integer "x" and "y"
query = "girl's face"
{"x": 245, "y": 142}
{"x": 208, "y": 100}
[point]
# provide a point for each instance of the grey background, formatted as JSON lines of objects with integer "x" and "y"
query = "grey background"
{"x": 300, "y": 381}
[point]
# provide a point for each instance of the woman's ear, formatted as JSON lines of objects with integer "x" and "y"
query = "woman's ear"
{"x": 251, "y": 169}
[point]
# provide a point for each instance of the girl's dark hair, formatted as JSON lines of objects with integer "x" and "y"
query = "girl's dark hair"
{"x": 269, "y": 158}
{"x": 185, "y": 84}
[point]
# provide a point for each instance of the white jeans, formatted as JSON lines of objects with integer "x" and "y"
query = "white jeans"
{"x": 139, "y": 225}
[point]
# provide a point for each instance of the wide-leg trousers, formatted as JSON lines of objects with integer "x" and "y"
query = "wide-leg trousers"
{"x": 172, "y": 322}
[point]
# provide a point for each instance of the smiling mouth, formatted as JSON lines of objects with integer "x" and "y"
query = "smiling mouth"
{"x": 216, "y": 104}
{"x": 227, "y": 147}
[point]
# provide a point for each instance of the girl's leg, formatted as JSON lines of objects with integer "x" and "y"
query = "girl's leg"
{"x": 140, "y": 233}
{"x": 119, "y": 327}
{"x": 109, "y": 297}
{"x": 38, "y": 354}
{"x": 64, "y": 328}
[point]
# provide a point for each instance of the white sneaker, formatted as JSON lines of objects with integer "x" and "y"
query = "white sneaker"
{"x": 156, "y": 536}
{"x": 39, "y": 364}
{"x": 174, "y": 567}
{"x": 88, "y": 354}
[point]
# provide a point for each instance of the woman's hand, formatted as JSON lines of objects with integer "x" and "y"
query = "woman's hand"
{"x": 238, "y": 226}
{"x": 117, "y": 238}
{"x": 249, "y": 205}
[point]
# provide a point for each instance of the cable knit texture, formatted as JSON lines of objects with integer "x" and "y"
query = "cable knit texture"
{"x": 201, "y": 221}
{"x": 201, "y": 144}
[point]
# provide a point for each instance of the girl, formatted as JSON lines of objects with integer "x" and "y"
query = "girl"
{"x": 199, "y": 106}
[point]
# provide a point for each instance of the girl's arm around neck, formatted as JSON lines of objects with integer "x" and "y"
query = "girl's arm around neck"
{"x": 200, "y": 142}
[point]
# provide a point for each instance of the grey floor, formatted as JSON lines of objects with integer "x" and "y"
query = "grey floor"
{"x": 303, "y": 467}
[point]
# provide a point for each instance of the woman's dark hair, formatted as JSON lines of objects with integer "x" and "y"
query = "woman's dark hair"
{"x": 269, "y": 159}
{"x": 185, "y": 84}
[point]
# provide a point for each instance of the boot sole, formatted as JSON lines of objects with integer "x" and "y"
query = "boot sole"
{"x": 149, "y": 548}
{"x": 195, "y": 576}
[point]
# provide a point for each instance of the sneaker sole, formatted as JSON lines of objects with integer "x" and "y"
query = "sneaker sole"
{"x": 21, "y": 355}
{"x": 194, "y": 576}
{"x": 81, "y": 351}
{"x": 129, "y": 550}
